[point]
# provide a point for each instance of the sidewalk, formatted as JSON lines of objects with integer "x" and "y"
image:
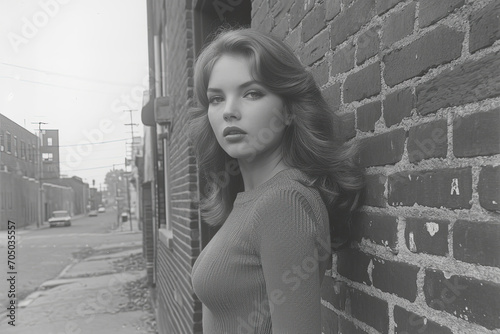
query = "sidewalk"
{"x": 103, "y": 293}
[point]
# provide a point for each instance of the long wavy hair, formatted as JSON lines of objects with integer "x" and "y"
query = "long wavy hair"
{"x": 311, "y": 143}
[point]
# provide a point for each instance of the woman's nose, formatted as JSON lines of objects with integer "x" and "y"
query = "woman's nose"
{"x": 231, "y": 110}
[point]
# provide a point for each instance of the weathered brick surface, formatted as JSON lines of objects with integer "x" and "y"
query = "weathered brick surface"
{"x": 348, "y": 126}
{"x": 329, "y": 321}
{"x": 426, "y": 235}
{"x": 489, "y": 188}
{"x": 477, "y": 134}
{"x": 368, "y": 44}
{"x": 398, "y": 105}
{"x": 343, "y": 59}
{"x": 370, "y": 310}
{"x": 374, "y": 190}
{"x": 315, "y": 49}
{"x": 431, "y": 11}
{"x": 398, "y": 278}
{"x": 450, "y": 188}
{"x": 472, "y": 81}
{"x": 362, "y": 84}
{"x": 332, "y": 96}
{"x": 367, "y": 115}
{"x": 334, "y": 292}
{"x": 314, "y": 22}
{"x": 428, "y": 140}
{"x": 398, "y": 25}
{"x": 437, "y": 47}
{"x": 320, "y": 73}
{"x": 383, "y": 6}
{"x": 280, "y": 10}
{"x": 298, "y": 10}
{"x": 280, "y": 30}
{"x": 350, "y": 20}
{"x": 353, "y": 265}
{"x": 383, "y": 149}
{"x": 411, "y": 323}
{"x": 477, "y": 242}
{"x": 345, "y": 326}
{"x": 379, "y": 229}
{"x": 484, "y": 27}
{"x": 464, "y": 297}
{"x": 262, "y": 20}
{"x": 332, "y": 9}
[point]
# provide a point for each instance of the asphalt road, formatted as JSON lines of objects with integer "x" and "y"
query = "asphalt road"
{"x": 41, "y": 254}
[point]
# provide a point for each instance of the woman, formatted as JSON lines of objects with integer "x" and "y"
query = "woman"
{"x": 278, "y": 183}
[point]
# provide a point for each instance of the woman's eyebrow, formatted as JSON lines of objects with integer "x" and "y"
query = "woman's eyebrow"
{"x": 242, "y": 86}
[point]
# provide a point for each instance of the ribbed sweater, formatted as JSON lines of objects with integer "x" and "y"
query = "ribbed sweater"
{"x": 262, "y": 271}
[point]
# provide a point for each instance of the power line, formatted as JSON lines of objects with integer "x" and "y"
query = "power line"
{"x": 127, "y": 84}
{"x": 75, "y": 170}
{"x": 92, "y": 143}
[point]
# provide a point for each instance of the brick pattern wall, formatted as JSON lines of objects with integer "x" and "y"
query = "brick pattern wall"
{"x": 178, "y": 309}
{"x": 417, "y": 84}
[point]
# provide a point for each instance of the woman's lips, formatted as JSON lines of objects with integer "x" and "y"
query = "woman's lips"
{"x": 233, "y": 131}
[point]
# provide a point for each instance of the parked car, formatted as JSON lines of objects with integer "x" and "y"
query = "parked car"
{"x": 93, "y": 213}
{"x": 60, "y": 218}
{"x": 101, "y": 209}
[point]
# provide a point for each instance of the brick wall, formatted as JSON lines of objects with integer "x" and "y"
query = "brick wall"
{"x": 178, "y": 309}
{"x": 417, "y": 84}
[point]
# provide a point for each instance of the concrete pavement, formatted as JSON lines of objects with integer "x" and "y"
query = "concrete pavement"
{"x": 88, "y": 296}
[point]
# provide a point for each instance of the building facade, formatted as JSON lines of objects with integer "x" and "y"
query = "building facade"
{"x": 417, "y": 85}
{"x": 50, "y": 155}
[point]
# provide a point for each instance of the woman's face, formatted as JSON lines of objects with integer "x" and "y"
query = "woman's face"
{"x": 247, "y": 119}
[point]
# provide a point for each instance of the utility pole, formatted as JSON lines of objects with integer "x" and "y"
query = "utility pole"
{"x": 40, "y": 176}
{"x": 132, "y": 124}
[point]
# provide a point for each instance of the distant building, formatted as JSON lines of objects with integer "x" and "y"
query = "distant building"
{"x": 50, "y": 155}
{"x": 18, "y": 149}
{"x": 80, "y": 192}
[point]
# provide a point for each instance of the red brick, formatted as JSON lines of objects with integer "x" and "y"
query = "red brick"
{"x": 379, "y": 229}
{"x": 484, "y": 27}
{"x": 362, "y": 84}
{"x": 320, "y": 73}
{"x": 262, "y": 20}
{"x": 367, "y": 115}
{"x": 281, "y": 29}
{"x": 334, "y": 292}
{"x": 369, "y": 309}
{"x": 315, "y": 49}
{"x": 466, "y": 298}
{"x": 332, "y": 9}
{"x": 429, "y": 236}
{"x": 470, "y": 82}
{"x": 477, "y": 242}
{"x": 384, "y": 5}
{"x": 280, "y": 10}
{"x": 411, "y": 323}
{"x": 346, "y": 326}
{"x": 433, "y": 188}
{"x": 368, "y": 45}
{"x": 353, "y": 265}
{"x": 477, "y": 134}
{"x": 397, "y": 106}
{"x": 374, "y": 190}
{"x": 314, "y": 22}
{"x": 298, "y": 10}
{"x": 343, "y": 60}
{"x": 489, "y": 188}
{"x": 429, "y": 140}
{"x": 398, "y": 25}
{"x": 431, "y": 11}
{"x": 350, "y": 20}
{"x": 348, "y": 121}
{"x": 398, "y": 278}
{"x": 437, "y": 47}
{"x": 383, "y": 149}
{"x": 329, "y": 321}
{"x": 331, "y": 94}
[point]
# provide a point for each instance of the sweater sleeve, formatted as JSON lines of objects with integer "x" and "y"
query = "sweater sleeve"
{"x": 287, "y": 241}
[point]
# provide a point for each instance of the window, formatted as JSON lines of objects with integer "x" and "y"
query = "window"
{"x": 9, "y": 142}
{"x": 46, "y": 157}
{"x": 23, "y": 150}
{"x": 2, "y": 143}
{"x": 166, "y": 172}
{"x": 15, "y": 146}
{"x": 49, "y": 141}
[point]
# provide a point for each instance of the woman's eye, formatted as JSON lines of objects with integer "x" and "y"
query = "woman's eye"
{"x": 215, "y": 99}
{"x": 254, "y": 95}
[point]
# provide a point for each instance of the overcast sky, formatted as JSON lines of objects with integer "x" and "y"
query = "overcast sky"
{"x": 76, "y": 65}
